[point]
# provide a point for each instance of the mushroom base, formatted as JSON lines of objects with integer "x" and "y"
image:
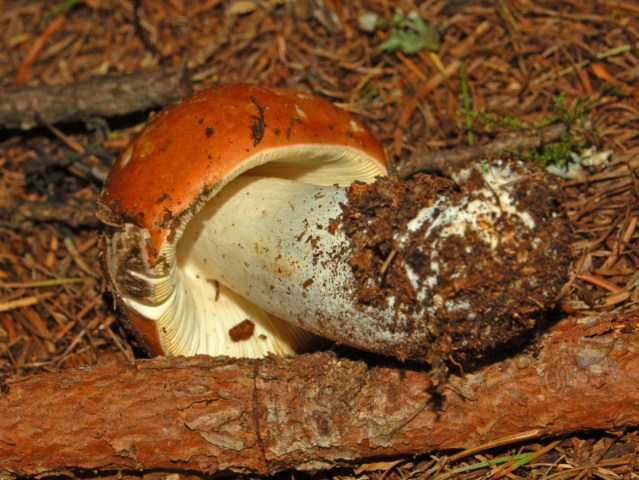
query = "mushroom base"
{"x": 474, "y": 261}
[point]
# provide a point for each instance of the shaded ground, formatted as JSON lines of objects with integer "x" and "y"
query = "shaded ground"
{"x": 499, "y": 64}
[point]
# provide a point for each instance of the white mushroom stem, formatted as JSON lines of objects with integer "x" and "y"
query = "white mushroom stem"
{"x": 269, "y": 239}
{"x": 280, "y": 244}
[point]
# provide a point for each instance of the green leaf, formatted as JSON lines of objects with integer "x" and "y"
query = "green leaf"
{"x": 411, "y": 35}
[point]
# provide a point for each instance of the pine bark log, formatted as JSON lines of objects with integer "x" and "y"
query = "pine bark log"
{"x": 216, "y": 415}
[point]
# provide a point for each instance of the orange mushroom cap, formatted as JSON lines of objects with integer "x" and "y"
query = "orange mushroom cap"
{"x": 193, "y": 147}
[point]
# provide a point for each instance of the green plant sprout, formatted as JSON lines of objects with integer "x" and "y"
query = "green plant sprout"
{"x": 409, "y": 34}
{"x": 466, "y": 103}
{"x": 488, "y": 463}
{"x": 560, "y": 152}
{"x": 59, "y": 10}
{"x": 571, "y": 117}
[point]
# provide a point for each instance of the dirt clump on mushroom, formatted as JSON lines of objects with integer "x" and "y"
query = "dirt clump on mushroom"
{"x": 242, "y": 331}
{"x": 473, "y": 259}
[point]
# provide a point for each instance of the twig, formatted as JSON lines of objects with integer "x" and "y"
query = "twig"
{"x": 423, "y": 91}
{"x": 37, "y": 48}
{"x": 76, "y": 213}
{"x": 23, "y": 302}
{"x": 27, "y": 107}
{"x": 52, "y": 282}
{"x": 445, "y": 161}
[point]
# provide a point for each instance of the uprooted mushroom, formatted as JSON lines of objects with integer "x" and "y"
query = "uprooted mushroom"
{"x": 244, "y": 217}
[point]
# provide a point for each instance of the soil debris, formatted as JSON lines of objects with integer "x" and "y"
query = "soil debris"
{"x": 474, "y": 260}
{"x": 242, "y": 331}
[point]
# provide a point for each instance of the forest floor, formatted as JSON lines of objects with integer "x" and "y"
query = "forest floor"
{"x": 452, "y": 73}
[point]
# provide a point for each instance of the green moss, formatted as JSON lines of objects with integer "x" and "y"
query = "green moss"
{"x": 557, "y": 152}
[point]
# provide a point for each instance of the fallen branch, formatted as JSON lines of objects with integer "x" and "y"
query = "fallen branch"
{"x": 27, "y": 107}
{"x": 447, "y": 161}
{"x": 213, "y": 415}
{"x": 76, "y": 213}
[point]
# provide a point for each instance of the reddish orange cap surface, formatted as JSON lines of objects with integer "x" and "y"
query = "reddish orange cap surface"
{"x": 190, "y": 147}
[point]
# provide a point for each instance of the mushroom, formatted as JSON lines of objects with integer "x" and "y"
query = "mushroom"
{"x": 244, "y": 217}
{"x": 209, "y": 212}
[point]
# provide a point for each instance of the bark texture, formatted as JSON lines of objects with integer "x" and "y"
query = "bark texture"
{"x": 213, "y": 415}
{"x": 27, "y": 107}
